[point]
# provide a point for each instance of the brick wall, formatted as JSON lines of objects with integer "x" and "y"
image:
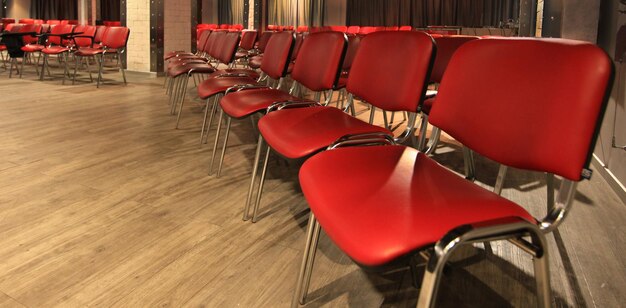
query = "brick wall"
{"x": 177, "y": 19}
{"x": 138, "y": 20}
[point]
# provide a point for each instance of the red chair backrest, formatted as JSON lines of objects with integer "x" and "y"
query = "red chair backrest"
{"x": 354, "y": 41}
{"x": 217, "y": 40}
{"x": 319, "y": 60}
{"x": 53, "y": 22}
{"x": 203, "y": 37}
{"x": 13, "y": 27}
{"x": 446, "y": 46}
{"x": 302, "y": 29}
{"x": 116, "y": 37}
{"x": 27, "y": 21}
{"x": 265, "y": 37}
{"x": 86, "y": 30}
{"x": 27, "y": 39}
{"x": 59, "y": 29}
{"x": 339, "y": 28}
{"x": 236, "y": 27}
{"x": 45, "y": 28}
{"x": 7, "y": 21}
{"x": 100, "y": 31}
{"x": 229, "y": 47}
{"x": 392, "y": 28}
{"x": 353, "y": 29}
{"x": 224, "y": 26}
{"x": 276, "y": 58}
{"x": 248, "y": 38}
{"x": 396, "y": 85}
{"x": 405, "y": 28}
{"x": 367, "y": 30}
{"x": 527, "y": 103}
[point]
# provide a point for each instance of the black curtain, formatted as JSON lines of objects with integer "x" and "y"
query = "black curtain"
{"x": 54, "y": 9}
{"x": 224, "y": 12}
{"x": 422, "y": 13}
{"x": 110, "y": 10}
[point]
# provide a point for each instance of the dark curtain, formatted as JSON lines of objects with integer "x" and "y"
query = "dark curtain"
{"x": 224, "y": 12}
{"x": 422, "y": 13}
{"x": 54, "y": 9}
{"x": 110, "y": 10}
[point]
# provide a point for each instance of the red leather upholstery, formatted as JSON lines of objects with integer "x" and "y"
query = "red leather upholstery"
{"x": 263, "y": 40}
{"x": 300, "y": 132}
{"x": 244, "y": 103}
{"x": 27, "y": 21}
{"x": 380, "y": 203}
{"x": 339, "y": 28}
{"x": 301, "y": 29}
{"x": 229, "y": 47}
{"x": 100, "y": 32}
{"x": 248, "y": 38}
{"x": 296, "y": 46}
{"x": 353, "y": 30}
{"x": 86, "y": 51}
{"x": 405, "y": 28}
{"x": 399, "y": 85}
{"x": 116, "y": 37}
{"x": 428, "y": 105}
{"x": 32, "y": 47}
{"x": 27, "y": 39}
{"x": 214, "y": 86}
{"x": 319, "y": 60}
{"x": 185, "y": 68}
{"x": 53, "y": 50}
{"x": 59, "y": 29}
{"x": 353, "y": 45}
{"x": 276, "y": 56}
{"x": 561, "y": 103}
{"x": 86, "y": 31}
{"x": 446, "y": 46}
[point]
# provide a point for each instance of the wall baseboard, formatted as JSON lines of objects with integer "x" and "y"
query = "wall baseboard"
{"x": 615, "y": 184}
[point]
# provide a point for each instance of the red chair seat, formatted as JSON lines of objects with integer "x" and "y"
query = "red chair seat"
{"x": 251, "y": 73}
{"x": 428, "y": 104}
{"x": 300, "y": 132}
{"x": 400, "y": 202}
{"x": 255, "y": 62}
{"x": 53, "y": 50}
{"x": 202, "y": 68}
{"x": 3, "y": 47}
{"x": 214, "y": 86}
{"x": 32, "y": 47}
{"x": 86, "y": 51}
{"x": 240, "y": 104}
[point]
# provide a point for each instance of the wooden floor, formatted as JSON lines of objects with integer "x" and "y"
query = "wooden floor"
{"x": 104, "y": 203}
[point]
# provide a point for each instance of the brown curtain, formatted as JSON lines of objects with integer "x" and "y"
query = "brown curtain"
{"x": 295, "y": 12}
{"x": 224, "y": 12}
{"x": 54, "y": 9}
{"x": 110, "y": 10}
{"x": 422, "y": 13}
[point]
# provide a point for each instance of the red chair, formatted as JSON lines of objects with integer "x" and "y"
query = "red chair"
{"x": 413, "y": 204}
{"x": 446, "y": 47}
{"x": 224, "y": 26}
{"x": 317, "y": 69}
{"x": 57, "y": 46}
{"x": 367, "y": 30}
{"x": 248, "y": 38}
{"x": 82, "y": 41}
{"x": 257, "y": 54}
{"x": 405, "y": 28}
{"x": 392, "y": 28}
{"x": 223, "y": 51}
{"x": 302, "y": 29}
{"x": 113, "y": 43}
{"x": 7, "y": 21}
{"x": 274, "y": 66}
{"x": 397, "y": 86}
{"x": 26, "y": 21}
{"x": 53, "y": 22}
{"x": 30, "y": 45}
{"x": 238, "y": 27}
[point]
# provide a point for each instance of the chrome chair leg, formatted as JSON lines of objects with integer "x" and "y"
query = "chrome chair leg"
{"x": 372, "y": 113}
{"x": 88, "y": 69}
{"x": 121, "y": 66}
{"x": 100, "y": 65}
{"x": 65, "y": 69}
{"x": 221, "y": 162}
{"x": 22, "y": 70}
{"x": 308, "y": 258}
{"x": 75, "y": 69}
{"x": 261, "y": 184}
{"x": 255, "y": 168}
{"x": 217, "y": 138}
{"x": 204, "y": 133}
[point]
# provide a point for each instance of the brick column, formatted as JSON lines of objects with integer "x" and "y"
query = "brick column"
{"x": 138, "y": 20}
